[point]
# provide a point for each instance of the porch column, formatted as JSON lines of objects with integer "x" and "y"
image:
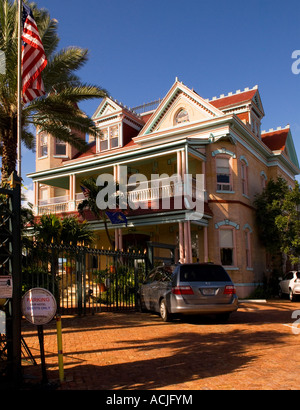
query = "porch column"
{"x": 187, "y": 242}
{"x": 116, "y": 239}
{"x": 181, "y": 244}
{"x": 120, "y": 239}
{"x": 179, "y": 164}
{"x": 190, "y": 241}
{"x": 183, "y": 164}
{"x": 72, "y": 189}
{"x": 205, "y": 244}
{"x": 36, "y": 186}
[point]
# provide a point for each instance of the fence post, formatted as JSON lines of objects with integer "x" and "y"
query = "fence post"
{"x": 79, "y": 281}
{"x": 17, "y": 279}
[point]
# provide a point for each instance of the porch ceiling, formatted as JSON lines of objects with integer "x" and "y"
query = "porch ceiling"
{"x": 59, "y": 182}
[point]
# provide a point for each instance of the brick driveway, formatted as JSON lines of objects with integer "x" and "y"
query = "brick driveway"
{"x": 257, "y": 349}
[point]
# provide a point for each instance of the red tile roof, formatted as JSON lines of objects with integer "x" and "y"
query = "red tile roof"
{"x": 92, "y": 150}
{"x": 233, "y": 99}
{"x": 275, "y": 140}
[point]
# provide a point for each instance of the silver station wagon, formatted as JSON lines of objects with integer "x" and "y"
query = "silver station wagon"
{"x": 188, "y": 289}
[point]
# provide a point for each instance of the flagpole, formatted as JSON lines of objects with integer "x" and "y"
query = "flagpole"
{"x": 19, "y": 108}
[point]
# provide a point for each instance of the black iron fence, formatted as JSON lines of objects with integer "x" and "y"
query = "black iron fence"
{"x": 10, "y": 283}
{"x": 84, "y": 280}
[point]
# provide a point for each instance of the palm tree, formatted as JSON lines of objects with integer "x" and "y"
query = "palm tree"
{"x": 90, "y": 204}
{"x": 58, "y": 112}
{"x": 63, "y": 231}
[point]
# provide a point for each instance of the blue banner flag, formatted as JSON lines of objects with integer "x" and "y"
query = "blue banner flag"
{"x": 116, "y": 217}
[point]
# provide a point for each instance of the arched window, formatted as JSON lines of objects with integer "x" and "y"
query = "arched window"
{"x": 181, "y": 116}
{"x": 223, "y": 170}
{"x": 247, "y": 241}
{"x": 244, "y": 175}
{"x": 227, "y": 242}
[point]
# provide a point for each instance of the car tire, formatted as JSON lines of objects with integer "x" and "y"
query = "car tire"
{"x": 163, "y": 310}
{"x": 280, "y": 294}
{"x": 291, "y": 295}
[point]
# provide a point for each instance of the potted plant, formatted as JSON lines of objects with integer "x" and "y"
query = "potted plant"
{"x": 100, "y": 277}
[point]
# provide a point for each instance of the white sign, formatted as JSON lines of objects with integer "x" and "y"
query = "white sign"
{"x": 6, "y": 287}
{"x": 38, "y": 306}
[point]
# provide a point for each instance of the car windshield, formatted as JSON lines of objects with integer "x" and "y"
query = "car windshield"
{"x": 203, "y": 273}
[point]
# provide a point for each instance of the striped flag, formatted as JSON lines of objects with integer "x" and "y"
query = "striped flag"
{"x": 86, "y": 191}
{"x": 33, "y": 58}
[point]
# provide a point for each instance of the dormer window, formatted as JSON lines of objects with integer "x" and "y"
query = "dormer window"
{"x": 104, "y": 139}
{"x": 114, "y": 136}
{"x": 109, "y": 138}
{"x": 182, "y": 116}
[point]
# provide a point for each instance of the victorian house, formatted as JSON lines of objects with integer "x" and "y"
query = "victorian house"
{"x": 183, "y": 133}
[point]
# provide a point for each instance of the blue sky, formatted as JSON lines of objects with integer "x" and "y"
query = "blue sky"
{"x": 138, "y": 47}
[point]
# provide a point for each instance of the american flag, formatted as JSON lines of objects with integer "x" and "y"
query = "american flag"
{"x": 33, "y": 58}
{"x": 86, "y": 191}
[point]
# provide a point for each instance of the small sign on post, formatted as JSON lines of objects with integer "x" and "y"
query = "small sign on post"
{"x": 6, "y": 287}
{"x": 39, "y": 308}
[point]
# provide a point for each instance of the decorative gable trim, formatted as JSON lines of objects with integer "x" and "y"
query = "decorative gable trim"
{"x": 178, "y": 89}
{"x": 107, "y": 102}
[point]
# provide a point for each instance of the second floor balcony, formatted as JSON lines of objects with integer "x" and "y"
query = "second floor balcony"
{"x": 149, "y": 192}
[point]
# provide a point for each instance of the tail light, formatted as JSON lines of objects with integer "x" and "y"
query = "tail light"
{"x": 182, "y": 290}
{"x": 229, "y": 290}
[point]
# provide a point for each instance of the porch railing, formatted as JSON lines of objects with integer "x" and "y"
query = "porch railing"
{"x": 150, "y": 190}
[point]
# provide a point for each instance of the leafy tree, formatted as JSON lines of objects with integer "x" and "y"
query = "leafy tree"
{"x": 64, "y": 231}
{"x": 278, "y": 220}
{"x": 58, "y": 112}
{"x": 268, "y": 206}
{"x": 288, "y": 225}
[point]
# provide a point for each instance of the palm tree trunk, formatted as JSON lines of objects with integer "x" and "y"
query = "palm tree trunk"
{"x": 9, "y": 149}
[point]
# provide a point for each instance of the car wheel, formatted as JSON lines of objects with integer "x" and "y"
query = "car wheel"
{"x": 280, "y": 293}
{"x": 163, "y": 310}
{"x": 291, "y": 295}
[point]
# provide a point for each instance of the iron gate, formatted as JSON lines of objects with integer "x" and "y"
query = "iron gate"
{"x": 10, "y": 275}
{"x": 85, "y": 280}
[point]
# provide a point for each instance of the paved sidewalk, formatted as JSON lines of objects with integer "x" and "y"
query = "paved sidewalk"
{"x": 256, "y": 350}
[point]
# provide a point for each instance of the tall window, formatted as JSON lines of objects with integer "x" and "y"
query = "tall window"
{"x": 114, "y": 136}
{"x": 248, "y": 248}
{"x": 43, "y": 149}
{"x": 104, "y": 139}
{"x": 182, "y": 116}
{"x": 60, "y": 147}
{"x": 263, "y": 179}
{"x": 244, "y": 177}
{"x": 223, "y": 174}
{"x": 227, "y": 247}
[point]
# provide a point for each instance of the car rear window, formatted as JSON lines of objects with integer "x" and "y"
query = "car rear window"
{"x": 203, "y": 273}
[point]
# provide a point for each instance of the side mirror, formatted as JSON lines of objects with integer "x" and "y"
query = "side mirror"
{"x": 280, "y": 278}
